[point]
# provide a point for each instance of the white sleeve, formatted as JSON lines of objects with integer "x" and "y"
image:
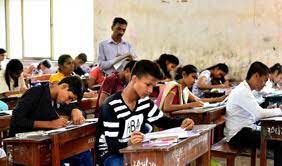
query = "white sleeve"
{"x": 249, "y": 104}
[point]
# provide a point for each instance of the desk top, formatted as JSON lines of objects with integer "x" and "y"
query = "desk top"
{"x": 198, "y": 110}
{"x": 139, "y": 148}
{"x": 77, "y": 130}
{"x": 272, "y": 119}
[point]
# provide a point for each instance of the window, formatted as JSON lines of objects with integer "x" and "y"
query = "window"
{"x": 2, "y": 25}
{"x": 15, "y": 29}
{"x": 36, "y": 30}
{"x": 73, "y": 28}
{"x": 30, "y": 33}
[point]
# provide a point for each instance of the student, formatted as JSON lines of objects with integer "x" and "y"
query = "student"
{"x": 203, "y": 83}
{"x": 115, "y": 83}
{"x": 96, "y": 76}
{"x": 173, "y": 98}
{"x": 43, "y": 67}
{"x": 167, "y": 63}
{"x": 11, "y": 79}
{"x": 3, "y": 106}
{"x": 38, "y": 109}
{"x": 115, "y": 49}
{"x": 2, "y": 57}
{"x": 275, "y": 77}
{"x": 124, "y": 113}
{"x": 242, "y": 112}
{"x": 66, "y": 68}
{"x": 78, "y": 62}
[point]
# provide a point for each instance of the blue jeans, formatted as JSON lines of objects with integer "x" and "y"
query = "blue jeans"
{"x": 114, "y": 160}
{"x": 82, "y": 159}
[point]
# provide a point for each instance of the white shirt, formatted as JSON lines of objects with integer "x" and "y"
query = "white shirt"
{"x": 108, "y": 51}
{"x": 198, "y": 92}
{"x": 2, "y": 153}
{"x": 242, "y": 110}
{"x": 4, "y": 87}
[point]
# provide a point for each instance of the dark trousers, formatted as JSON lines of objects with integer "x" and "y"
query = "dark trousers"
{"x": 251, "y": 138}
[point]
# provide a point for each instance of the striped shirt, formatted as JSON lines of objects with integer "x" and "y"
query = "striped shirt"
{"x": 117, "y": 122}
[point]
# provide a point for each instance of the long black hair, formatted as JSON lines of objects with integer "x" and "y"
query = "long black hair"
{"x": 277, "y": 67}
{"x": 188, "y": 69}
{"x": 221, "y": 66}
{"x": 162, "y": 63}
{"x": 14, "y": 66}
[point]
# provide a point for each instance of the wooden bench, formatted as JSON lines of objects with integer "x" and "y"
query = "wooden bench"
{"x": 223, "y": 150}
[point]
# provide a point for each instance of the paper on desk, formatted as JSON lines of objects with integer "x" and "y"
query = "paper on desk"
{"x": 69, "y": 127}
{"x": 9, "y": 112}
{"x": 91, "y": 120}
{"x": 30, "y": 134}
{"x": 210, "y": 105}
{"x": 174, "y": 132}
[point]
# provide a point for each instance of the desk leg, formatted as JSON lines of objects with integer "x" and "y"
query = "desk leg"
{"x": 263, "y": 148}
{"x": 204, "y": 160}
{"x": 36, "y": 155}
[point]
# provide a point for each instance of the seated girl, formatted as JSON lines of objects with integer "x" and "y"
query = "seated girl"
{"x": 167, "y": 64}
{"x": 66, "y": 68}
{"x": 176, "y": 94}
{"x": 274, "y": 78}
{"x": 204, "y": 82}
{"x": 11, "y": 79}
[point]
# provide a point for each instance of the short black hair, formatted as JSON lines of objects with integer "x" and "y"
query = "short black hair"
{"x": 63, "y": 58}
{"x": 257, "y": 67}
{"x": 147, "y": 67}
{"x": 82, "y": 56}
{"x": 188, "y": 69}
{"x": 276, "y": 67}
{"x": 119, "y": 20}
{"x": 2, "y": 51}
{"x": 45, "y": 63}
{"x": 221, "y": 66}
{"x": 75, "y": 85}
{"x": 130, "y": 65}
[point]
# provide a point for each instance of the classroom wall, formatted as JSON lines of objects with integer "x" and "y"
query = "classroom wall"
{"x": 199, "y": 32}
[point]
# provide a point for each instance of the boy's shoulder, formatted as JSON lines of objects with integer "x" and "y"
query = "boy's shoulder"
{"x": 113, "y": 99}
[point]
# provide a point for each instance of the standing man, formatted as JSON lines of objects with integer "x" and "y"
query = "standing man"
{"x": 114, "y": 51}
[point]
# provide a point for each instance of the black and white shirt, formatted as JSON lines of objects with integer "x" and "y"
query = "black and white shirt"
{"x": 117, "y": 122}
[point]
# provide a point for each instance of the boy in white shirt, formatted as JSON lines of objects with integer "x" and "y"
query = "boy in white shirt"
{"x": 242, "y": 112}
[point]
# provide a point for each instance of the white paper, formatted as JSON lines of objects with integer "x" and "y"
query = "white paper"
{"x": 173, "y": 132}
{"x": 119, "y": 65}
{"x": 91, "y": 120}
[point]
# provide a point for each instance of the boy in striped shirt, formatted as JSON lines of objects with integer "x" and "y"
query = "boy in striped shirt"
{"x": 124, "y": 114}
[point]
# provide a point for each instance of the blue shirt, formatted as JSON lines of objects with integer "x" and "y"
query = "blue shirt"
{"x": 109, "y": 51}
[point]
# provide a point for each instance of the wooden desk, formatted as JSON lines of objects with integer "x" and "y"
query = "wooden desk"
{"x": 44, "y": 150}
{"x": 181, "y": 153}
{"x": 213, "y": 115}
{"x": 4, "y": 127}
{"x": 208, "y": 94}
{"x": 201, "y": 115}
{"x": 88, "y": 105}
{"x": 271, "y": 129}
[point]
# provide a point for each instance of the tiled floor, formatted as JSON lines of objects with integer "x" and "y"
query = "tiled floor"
{"x": 243, "y": 161}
